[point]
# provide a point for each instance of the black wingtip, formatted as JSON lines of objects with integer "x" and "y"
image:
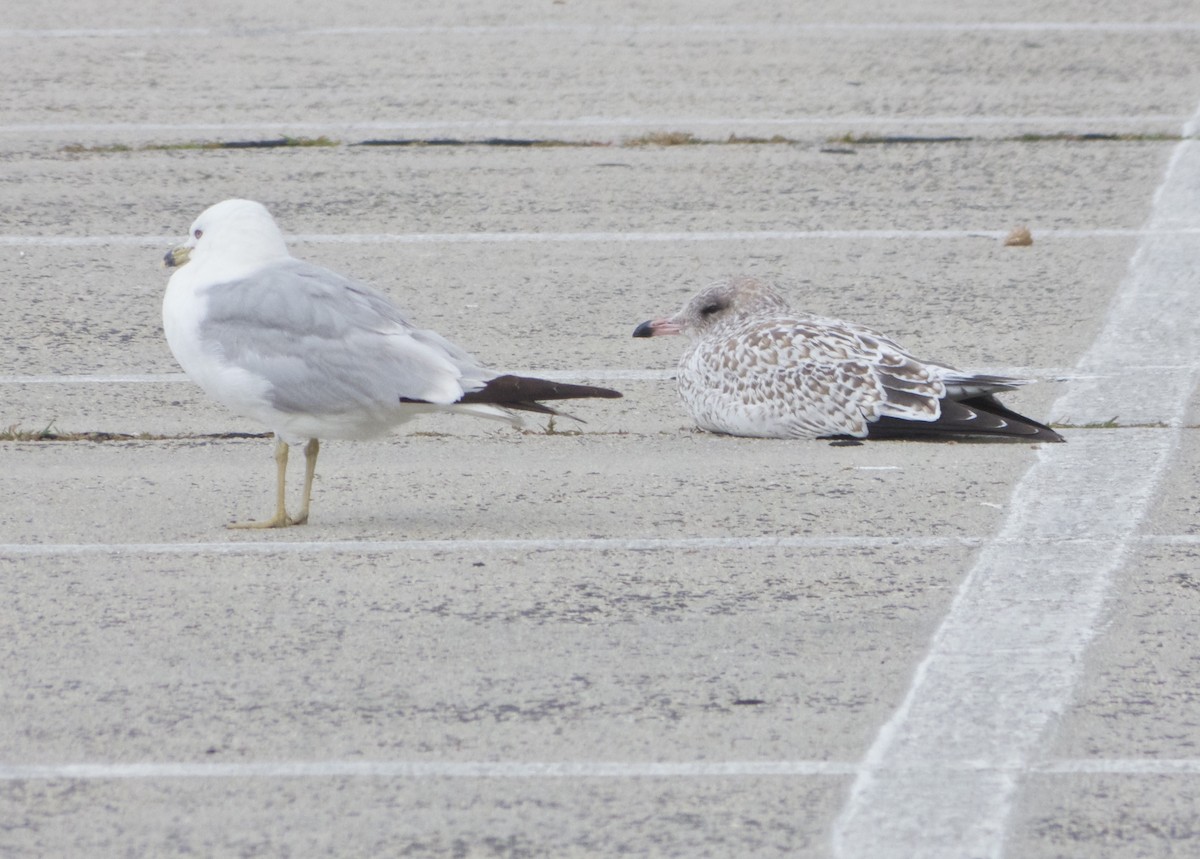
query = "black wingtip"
{"x": 976, "y": 417}
{"x": 524, "y": 392}
{"x": 1024, "y": 428}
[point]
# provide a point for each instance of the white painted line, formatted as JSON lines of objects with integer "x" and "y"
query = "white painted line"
{"x": 532, "y": 769}
{"x": 768, "y": 28}
{"x": 603, "y": 373}
{"x": 1001, "y": 667}
{"x": 613, "y": 237}
{"x": 697, "y": 236}
{"x": 712, "y": 236}
{"x": 104, "y": 32}
{"x": 565, "y": 544}
{"x": 774, "y": 28}
{"x": 1172, "y": 539}
{"x": 85, "y": 241}
{"x": 581, "y": 544}
{"x": 575, "y": 544}
{"x": 1121, "y": 766}
{"x": 423, "y": 769}
{"x": 600, "y": 374}
{"x": 608, "y": 373}
{"x": 624, "y": 374}
{"x": 505, "y": 127}
{"x": 98, "y": 379}
{"x": 528, "y": 237}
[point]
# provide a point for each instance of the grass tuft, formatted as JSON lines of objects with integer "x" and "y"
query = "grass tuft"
{"x": 1111, "y": 423}
{"x": 664, "y": 138}
{"x": 867, "y": 139}
{"x": 774, "y": 138}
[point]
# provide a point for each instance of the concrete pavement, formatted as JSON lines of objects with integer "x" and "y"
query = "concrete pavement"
{"x": 623, "y": 636}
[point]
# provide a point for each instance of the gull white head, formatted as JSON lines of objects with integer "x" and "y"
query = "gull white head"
{"x": 240, "y": 234}
{"x": 717, "y": 305}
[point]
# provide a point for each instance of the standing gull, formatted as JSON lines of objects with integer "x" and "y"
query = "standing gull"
{"x": 312, "y": 354}
{"x": 756, "y": 368}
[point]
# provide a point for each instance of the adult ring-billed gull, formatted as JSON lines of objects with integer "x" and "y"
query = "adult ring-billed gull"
{"x": 756, "y": 368}
{"x": 312, "y": 354}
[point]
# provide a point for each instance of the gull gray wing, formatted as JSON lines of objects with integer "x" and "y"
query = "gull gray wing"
{"x": 326, "y": 344}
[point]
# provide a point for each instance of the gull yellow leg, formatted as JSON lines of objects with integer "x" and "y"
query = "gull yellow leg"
{"x": 310, "y": 468}
{"x": 280, "y": 519}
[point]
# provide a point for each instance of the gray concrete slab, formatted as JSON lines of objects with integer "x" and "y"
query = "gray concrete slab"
{"x": 1177, "y": 509}
{"x": 718, "y": 187}
{"x": 566, "y": 309}
{"x": 274, "y": 16}
{"x": 1139, "y": 701}
{"x": 1136, "y": 707}
{"x": 650, "y": 408}
{"x": 574, "y": 306}
{"x": 469, "y": 654}
{"x": 664, "y": 575}
{"x": 260, "y": 71}
{"x": 465, "y": 656}
{"x": 1108, "y": 816}
{"x": 458, "y": 817}
{"x": 570, "y": 305}
{"x": 675, "y": 483}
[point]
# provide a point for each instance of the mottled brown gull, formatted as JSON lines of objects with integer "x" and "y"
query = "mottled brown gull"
{"x": 311, "y": 354}
{"x": 754, "y": 367}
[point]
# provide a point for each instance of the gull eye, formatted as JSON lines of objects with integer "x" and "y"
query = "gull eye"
{"x": 709, "y": 309}
{"x": 198, "y": 233}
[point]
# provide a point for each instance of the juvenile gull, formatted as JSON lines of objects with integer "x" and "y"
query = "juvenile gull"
{"x": 756, "y": 368}
{"x": 312, "y": 354}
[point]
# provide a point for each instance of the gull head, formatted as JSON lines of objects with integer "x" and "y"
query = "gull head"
{"x": 716, "y": 306}
{"x": 240, "y": 235}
